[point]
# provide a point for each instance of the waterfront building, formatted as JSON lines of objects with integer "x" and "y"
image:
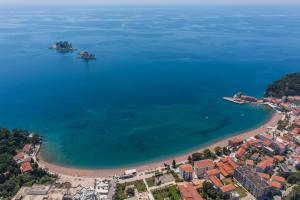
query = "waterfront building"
{"x": 186, "y": 172}
{"x": 202, "y": 166}
{"x": 251, "y": 181}
{"x": 236, "y": 141}
{"x": 188, "y": 192}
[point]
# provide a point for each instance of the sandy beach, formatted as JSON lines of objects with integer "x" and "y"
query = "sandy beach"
{"x": 61, "y": 170}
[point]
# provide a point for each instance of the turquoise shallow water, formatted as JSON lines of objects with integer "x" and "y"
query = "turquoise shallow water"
{"x": 156, "y": 87}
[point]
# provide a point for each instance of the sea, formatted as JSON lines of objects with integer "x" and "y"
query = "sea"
{"x": 156, "y": 87}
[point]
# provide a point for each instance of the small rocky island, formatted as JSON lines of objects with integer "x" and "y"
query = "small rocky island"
{"x": 87, "y": 56}
{"x": 288, "y": 85}
{"x": 63, "y": 46}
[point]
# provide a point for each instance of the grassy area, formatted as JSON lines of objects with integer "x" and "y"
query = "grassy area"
{"x": 241, "y": 191}
{"x": 169, "y": 192}
{"x": 139, "y": 185}
{"x": 151, "y": 181}
{"x": 120, "y": 190}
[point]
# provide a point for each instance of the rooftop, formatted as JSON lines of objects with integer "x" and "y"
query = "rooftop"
{"x": 188, "y": 192}
{"x": 228, "y": 188}
{"x": 204, "y": 163}
{"x": 216, "y": 181}
{"x": 186, "y": 168}
{"x": 278, "y": 179}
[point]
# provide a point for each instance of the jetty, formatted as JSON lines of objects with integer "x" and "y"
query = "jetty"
{"x": 234, "y": 100}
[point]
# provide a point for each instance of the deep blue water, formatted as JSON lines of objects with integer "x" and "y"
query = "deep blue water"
{"x": 156, "y": 87}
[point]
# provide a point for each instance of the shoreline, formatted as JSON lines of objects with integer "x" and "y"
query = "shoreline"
{"x": 81, "y": 172}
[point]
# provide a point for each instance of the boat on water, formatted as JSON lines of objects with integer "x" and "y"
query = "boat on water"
{"x": 87, "y": 56}
{"x": 234, "y": 100}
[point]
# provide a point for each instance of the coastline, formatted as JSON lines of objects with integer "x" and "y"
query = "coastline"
{"x": 78, "y": 172}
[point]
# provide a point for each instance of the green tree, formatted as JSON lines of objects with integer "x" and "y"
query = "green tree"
{"x": 190, "y": 159}
{"x": 219, "y": 151}
{"x": 174, "y": 164}
{"x": 226, "y": 151}
{"x": 197, "y": 156}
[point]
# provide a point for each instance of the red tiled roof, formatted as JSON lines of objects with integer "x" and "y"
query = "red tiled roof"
{"x": 186, "y": 168}
{"x": 264, "y": 175}
{"x": 264, "y": 164}
{"x": 28, "y": 159}
{"x": 268, "y": 158}
{"x": 219, "y": 164}
{"x": 216, "y": 181}
{"x": 296, "y": 131}
{"x": 224, "y": 172}
{"x": 212, "y": 172}
{"x": 279, "y": 158}
{"x": 240, "y": 152}
{"x": 267, "y": 142}
{"x": 274, "y": 184}
{"x": 278, "y": 179}
{"x": 27, "y": 147}
{"x": 228, "y": 188}
{"x": 188, "y": 192}
{"x": 204, "y": 163}
{"x": 26, "y": 167}
{"x": 236, "y": 140}
{"x": 20, "y": 155}
{"x": 228, "y": 168}
{"x": 249, "y": 162}
{"x": 225, "y": 159}
{"x": 252, "y": 142}
{"x": 232, "y": 163}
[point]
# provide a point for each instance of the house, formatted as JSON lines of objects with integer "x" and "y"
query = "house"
{"x": 275, "y": 185}
{"x": 27, "y": 148}
{"x": 228, "y": 189}
{"x": 268, "y": 150}
{"x": 251, "y": 181}
{"x": 264, "y": 176}
{"x": 188, "y": 192}
{"x": 19, "y": 157}
{"x": 212, "y": 172}
{"x": 186, "y": 172}
{"x": 264, "y": 166}
{"x": 202, "y": 166}
{"x": 285, "y": 170}
{"x": 215, "y": 181}
{"x": 295, "y": 131}
{"x": 236, "y": 141}
{"x": 26, "y": 167}
{"x": 250, "y": 162}
{"x": 240, "y": 152}
{"x": 226, "y": 166}
{"x": 255, "y": 156}
{"x": 278, "y": 147}
{"x": 278, "y": 179}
